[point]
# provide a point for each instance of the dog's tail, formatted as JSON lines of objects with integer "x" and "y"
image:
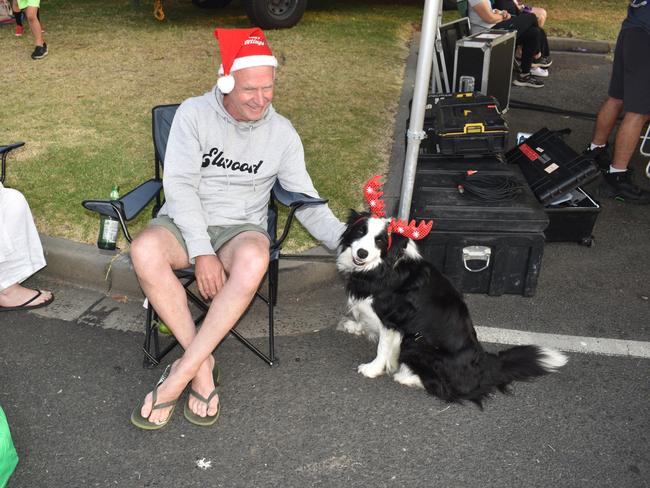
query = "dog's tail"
{"x": 519, "y": 363}
{"x": 523, "y": 363}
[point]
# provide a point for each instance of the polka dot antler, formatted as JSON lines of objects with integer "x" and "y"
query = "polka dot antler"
{"x": 411, "y": 231}
{"x": 373, "y": 196}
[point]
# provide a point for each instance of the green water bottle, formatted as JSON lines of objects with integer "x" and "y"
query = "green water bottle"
{"x": 108, "y": 226}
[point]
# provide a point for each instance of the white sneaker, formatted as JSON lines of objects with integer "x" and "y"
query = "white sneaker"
{"x": 539, "y": 72}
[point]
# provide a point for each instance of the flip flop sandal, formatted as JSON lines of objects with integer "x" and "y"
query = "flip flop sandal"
{"x": 27, "y": 306}
{"x": 139, "y": 421}
{"x": 208, "y": 420}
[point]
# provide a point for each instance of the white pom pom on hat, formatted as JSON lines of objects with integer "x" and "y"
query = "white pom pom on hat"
{"x": 241, "y": 48}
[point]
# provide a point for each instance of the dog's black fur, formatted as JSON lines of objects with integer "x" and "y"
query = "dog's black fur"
{"x": 438, "y": 340}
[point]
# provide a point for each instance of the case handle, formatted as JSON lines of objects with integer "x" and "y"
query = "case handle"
{"x": 476, "y": 253}
{"x": 474, "y": 128}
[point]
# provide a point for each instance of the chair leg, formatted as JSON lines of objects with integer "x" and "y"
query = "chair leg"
{"x": 273, "y": 295}
{"x": 149, "y": 360}
{"x": 152, "y": 353}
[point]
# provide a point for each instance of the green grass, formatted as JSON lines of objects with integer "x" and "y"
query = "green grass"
{"x": 84, "y": 111}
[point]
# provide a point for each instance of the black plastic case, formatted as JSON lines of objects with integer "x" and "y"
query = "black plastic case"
{"x": 482, "y": 247}
{"x": 470, "y": 124}
{"x": 553, "y": 169}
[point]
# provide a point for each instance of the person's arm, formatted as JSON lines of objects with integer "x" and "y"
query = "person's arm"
{"x": 489, "y": 16}
{"x": 181, "y": 178}
{"x": 319, "y": 220}
{"x": 181, "y": 183}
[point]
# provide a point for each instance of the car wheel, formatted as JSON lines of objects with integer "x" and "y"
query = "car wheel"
{"x": 275, "y": 14}
{"x": 211, "y": 3}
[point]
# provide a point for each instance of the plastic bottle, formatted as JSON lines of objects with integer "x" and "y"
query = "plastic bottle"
{"x": 109, "y": 226}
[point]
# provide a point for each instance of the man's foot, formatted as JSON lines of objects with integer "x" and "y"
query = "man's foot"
{"x": 168, "y": 391}
{"x": 539, "y": 72}
{"x": 204, "y": 384}
{"x": 543, "y": 62}
{"x": 40, "y": 52}
{"x": 528, "y": 80}
{"x": 620, "y": 186}
{"x": 19, "y": 30}
{"x": 601, "y": 155}
{"x": 18, "y": 297}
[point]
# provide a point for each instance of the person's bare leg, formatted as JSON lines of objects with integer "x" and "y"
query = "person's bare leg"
{"x": 245, "y": 258}
{"x": 17, "y": 294}
{"x": 34, "y": 25}
{"x": 627, "y": 138}
{"x": 155, "y": 254}
{"x": 606, "y": 120}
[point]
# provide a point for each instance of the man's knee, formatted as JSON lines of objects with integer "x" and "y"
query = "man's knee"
{"x": 250, "y": 263}
{"x": 150, "y": 247}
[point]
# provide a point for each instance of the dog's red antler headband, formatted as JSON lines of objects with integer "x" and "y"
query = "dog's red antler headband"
{"x": 410, "y": 230}
{"x": 373, "y": 196}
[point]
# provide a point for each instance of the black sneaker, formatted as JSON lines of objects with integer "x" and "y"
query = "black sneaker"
{"x": 527, "y": 80}
{"x": 601, "y": 155}
{"x": 543, "y": 62}
{"x": 620, "y": 186}
{"x": 40, "y": 52}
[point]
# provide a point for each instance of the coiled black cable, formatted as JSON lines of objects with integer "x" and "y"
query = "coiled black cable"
{"x": 491, "y": 188}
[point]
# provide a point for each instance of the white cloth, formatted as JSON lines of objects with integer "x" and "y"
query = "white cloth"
{"x": 21, "y": 252}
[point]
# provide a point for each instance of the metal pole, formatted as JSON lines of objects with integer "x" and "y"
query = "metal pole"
{"x": 415, "y": 134}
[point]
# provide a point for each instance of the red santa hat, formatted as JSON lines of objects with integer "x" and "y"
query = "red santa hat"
{"x": 241, "y": 48}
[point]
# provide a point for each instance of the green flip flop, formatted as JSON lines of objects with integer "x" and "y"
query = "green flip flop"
{"x": 143, "y": 423}
{"x": 208, "y": 420}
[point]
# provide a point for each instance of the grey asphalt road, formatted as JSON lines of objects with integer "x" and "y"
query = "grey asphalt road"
{"x": 71, "y": 374}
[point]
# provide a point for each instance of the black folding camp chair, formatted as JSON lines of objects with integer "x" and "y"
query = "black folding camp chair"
{"x": 4, "y": 151}
{"x": 134, "y": 202}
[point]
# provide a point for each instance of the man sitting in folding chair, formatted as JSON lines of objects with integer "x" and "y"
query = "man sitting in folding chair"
{"x": 225, "y": 151}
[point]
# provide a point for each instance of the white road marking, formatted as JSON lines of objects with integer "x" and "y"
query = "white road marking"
{"x": 586, "y": 345}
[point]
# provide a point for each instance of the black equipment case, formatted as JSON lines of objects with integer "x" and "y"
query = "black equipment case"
{"x": 483, "y": 63}
{"x": 462, "y": 124}
{"x": 481, "y": 246}
{"x": 555, "y": 172}
{"x": 470, "y": 123}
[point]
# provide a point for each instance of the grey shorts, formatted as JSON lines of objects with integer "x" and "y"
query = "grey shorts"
{"x": 219, "y": 234}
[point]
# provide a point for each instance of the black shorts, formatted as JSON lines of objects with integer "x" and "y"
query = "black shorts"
{"x": 631, "y": 72}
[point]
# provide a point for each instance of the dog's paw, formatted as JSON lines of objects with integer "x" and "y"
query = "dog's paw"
{"x": 371, "y": 370}
{"x": 350, "y": 326}
{"x": 405, "y": 376}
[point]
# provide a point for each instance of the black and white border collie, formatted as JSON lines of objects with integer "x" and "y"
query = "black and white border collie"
{"x": 422, "y": 325}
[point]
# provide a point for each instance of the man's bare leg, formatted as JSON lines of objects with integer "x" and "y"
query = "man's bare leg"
{"x": 245, "y": 259}
{"x": 606, "y": 120}
{"x": 627, "y": 138}
{"x": 155, "y": 254}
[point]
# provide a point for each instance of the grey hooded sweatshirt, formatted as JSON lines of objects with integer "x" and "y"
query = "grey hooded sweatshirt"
{"x": 219, "y": 171}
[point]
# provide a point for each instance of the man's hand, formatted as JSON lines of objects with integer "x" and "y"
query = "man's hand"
{"x": 210, "y": 275}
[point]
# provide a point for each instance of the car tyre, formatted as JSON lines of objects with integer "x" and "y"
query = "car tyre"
{"x": 275, "y": 14}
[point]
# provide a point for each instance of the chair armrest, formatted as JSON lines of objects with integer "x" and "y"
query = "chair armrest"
{"x": 4, "y": 151}
{"x": 293, "y": 200}
{"x": 129, "y": 206}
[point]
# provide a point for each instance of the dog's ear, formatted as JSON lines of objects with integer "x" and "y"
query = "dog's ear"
{"x": 398, "y": 245}
{"x": 353, "y": 216}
